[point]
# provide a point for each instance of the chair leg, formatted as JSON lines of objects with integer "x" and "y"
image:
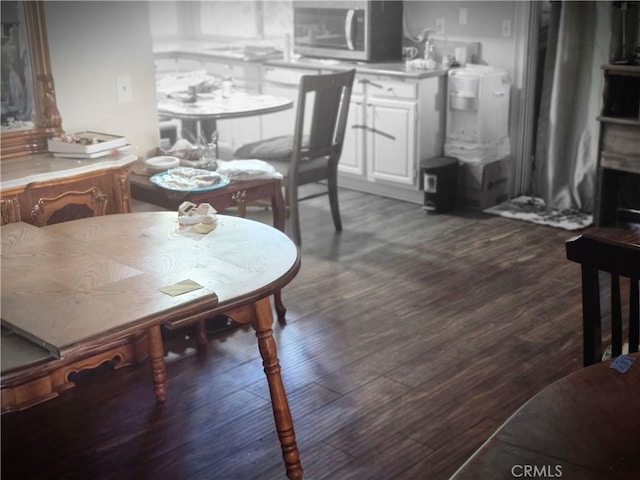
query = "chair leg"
{"x": 294, "y": 215}
{"x": 332, "y": 184}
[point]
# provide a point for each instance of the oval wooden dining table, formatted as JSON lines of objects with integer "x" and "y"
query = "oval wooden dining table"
{"x": 74, "y": 286}
{"x": 584, "y": 426}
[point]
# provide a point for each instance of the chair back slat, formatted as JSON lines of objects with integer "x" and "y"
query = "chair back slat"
{"x": 634, "y": 314}
{"x": 591, "y": 323}
{"x": 616, "y": 316}
{"x": 325, "y": 133}
{"x": 622, "y": 262}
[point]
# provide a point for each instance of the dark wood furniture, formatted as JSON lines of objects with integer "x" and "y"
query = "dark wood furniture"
{"x": 237, "y": 194}
{"x": 112, "y": 288}
{"x": 313, "y": 153}
{"x": 29, "y": 184}
{"x": 618, "y": 173}
{"x": 583, "y": 426}
{"x": 597, "y": 254}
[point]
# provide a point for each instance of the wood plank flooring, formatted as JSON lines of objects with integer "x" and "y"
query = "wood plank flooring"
{"x": 410, "y": 339}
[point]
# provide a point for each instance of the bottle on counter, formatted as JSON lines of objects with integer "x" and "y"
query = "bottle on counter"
{"x": 429, "y": 56}
{"x": 227, "y": 83}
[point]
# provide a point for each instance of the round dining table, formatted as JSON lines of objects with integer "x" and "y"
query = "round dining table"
{"x": 585, "y": 425}
{"x": 200, "y": 115}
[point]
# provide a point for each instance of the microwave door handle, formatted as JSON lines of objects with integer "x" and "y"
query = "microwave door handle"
{"x": 348, "y": 28}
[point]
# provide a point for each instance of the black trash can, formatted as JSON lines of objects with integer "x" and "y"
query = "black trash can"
{"x": 439, "y": 179}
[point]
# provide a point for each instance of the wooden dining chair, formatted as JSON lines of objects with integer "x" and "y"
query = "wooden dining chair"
{"x": 312, "y": 154}
{"x": 619, "y": 260}
{"x": 69, "y": 206}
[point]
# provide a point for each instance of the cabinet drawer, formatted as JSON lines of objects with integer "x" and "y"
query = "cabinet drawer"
{"x": 620, "y": 147}
{"x": 391, "y": 88}
{"x": 358, "y": 86}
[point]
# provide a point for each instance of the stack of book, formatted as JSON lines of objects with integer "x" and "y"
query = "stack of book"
{"x": 87, "y": 145}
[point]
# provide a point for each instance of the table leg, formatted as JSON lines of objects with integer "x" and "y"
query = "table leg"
{"x": 284, "y": 423}
{"x": 201, "y": 335}
{"x": 189, "y": 130}
{"x": 156, "y": 353}
{"x": 208, "y": 130}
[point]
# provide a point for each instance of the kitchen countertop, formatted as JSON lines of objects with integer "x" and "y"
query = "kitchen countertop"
{"x": 21, "y": 171}
{"x": 240, "y": 52}
{"x": 246, "y": 52}
{"x": 398, "y": 68}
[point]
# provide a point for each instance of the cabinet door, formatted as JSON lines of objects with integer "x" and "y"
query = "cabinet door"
{"x": 352, "y": 159}
{"x": 391, "y": 140}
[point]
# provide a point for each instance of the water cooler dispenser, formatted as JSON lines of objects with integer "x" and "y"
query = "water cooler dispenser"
{"x": 477, "y": 134}
{"x": 478, "y": 109}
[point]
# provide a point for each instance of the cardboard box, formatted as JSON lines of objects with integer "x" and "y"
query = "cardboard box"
{"x": 484, "y": 184}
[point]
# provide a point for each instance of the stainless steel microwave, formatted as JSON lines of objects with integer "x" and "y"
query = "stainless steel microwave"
{"x": 367, "y": 31}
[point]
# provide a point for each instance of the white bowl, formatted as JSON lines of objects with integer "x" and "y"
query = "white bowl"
{"x": 160, "y": 164}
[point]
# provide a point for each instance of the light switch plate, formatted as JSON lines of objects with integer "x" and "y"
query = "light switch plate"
{"x": 440, "y": 25}
{"x": 124, "y": 88}
{"x": 462, "y": 16}
{"x": 506, "y": 28}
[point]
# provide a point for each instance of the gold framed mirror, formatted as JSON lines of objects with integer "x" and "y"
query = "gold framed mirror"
{"x": 31, "y": 136}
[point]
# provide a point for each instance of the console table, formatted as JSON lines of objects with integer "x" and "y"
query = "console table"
{"x": 26, "y": 180}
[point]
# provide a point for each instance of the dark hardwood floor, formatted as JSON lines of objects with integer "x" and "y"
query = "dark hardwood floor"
{"x": 410, "y": 339}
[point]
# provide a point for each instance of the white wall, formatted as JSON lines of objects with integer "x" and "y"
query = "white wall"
{"x": 90, "y": 44}
{"x": 484, "y": 25}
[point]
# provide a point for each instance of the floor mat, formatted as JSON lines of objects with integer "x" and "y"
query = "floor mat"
{"x": 532, "y": 209}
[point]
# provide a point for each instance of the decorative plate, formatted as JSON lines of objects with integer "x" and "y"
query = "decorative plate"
{"x": 187, "y": 179}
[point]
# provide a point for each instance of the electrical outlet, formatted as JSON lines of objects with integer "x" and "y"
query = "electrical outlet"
{"x": 124, "y": 88}
{"x": 506, "y": 28}
{"x": 440, "y": 25}
{"x": 462, "y": 16}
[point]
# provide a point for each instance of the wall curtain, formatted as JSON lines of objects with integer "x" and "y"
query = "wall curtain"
{"x": 566, "y": 149}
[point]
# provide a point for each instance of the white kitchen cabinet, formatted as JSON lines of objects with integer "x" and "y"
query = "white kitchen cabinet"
{"x": 393, "y": 124}
{"x": 353, "y": 157}
{"x": 391, "y": 141}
